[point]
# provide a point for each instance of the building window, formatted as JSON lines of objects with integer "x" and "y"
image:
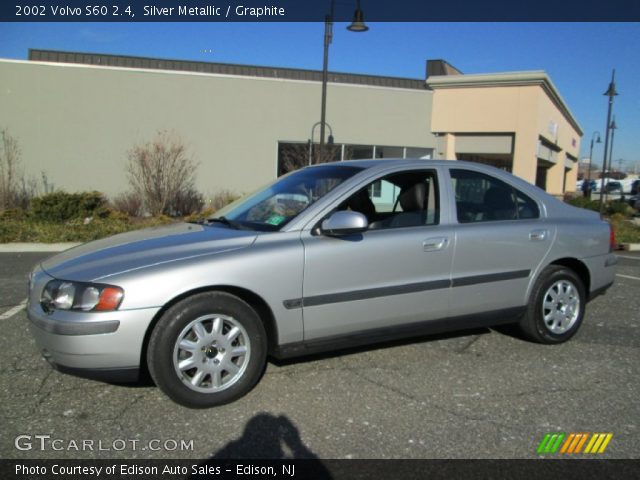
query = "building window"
{"x": 375, "y": 190}
{"x": 426, "y": 153}
{"x": 541, "y": 177}
{"x": 358, "y": 152}
{"x": 389, "y": 152}
{"x": 295, "y": 155}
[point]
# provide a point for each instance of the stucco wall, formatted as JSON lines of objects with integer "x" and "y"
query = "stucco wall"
{"x": 77, "y": 123}
{"x": 525, "y": 110}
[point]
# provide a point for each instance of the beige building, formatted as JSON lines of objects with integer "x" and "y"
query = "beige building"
{"x": 77, "y": 115}
{"x": 516, "y": 121}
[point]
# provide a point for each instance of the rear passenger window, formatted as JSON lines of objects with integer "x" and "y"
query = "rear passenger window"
{"x": 482, "y": 198}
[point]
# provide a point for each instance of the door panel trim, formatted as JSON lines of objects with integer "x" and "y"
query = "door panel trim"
{"x": 491, "y": 277}
{"x": 353, "y": 295}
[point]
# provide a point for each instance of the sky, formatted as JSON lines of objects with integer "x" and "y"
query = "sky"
{"x": 579, "y": 57}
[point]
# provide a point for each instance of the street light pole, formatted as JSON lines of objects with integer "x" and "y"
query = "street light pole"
{"x": 328, "y": 36}
{"x": 612, "y": 127}
{"x": 313, "y": 130}
{"x": 611, "y": 92}
{"x": 597, "y": 140}
{"x": 357, "y": 25}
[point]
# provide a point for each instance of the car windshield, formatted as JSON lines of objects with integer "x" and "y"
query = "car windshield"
{"x": 272, "y": 207}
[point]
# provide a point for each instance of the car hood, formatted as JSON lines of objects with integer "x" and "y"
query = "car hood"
{"x": 103, "y": 258}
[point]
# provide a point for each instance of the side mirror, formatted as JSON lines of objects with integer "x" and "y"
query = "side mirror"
{"x": 344, "y": 222}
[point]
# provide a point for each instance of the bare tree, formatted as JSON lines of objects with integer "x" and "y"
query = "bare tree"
{"x": 161, "y": 171}
{"x": 330, "y": 153}
{"x": 294, "y": 156}
{"x": 10, "y": 171}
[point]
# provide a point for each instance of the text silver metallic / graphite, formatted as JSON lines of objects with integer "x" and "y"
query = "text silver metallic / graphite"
{"x": 214, "y": 11}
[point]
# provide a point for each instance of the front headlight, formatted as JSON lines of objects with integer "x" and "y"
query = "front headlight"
{"x": 85, "y": 297}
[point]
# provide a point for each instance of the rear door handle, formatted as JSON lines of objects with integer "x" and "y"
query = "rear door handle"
{"x": 538, "y": 235}
{"x": 433, "y": 244}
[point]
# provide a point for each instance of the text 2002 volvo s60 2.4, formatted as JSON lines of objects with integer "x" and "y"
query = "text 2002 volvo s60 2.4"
{"x": 325, "y": 257}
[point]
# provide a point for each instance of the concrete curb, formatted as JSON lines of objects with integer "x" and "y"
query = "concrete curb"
{"x": 630, "y": 247}
{"x": 36, "y": 247}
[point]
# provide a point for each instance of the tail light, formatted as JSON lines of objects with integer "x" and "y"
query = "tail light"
{"x": 612, "y": 239}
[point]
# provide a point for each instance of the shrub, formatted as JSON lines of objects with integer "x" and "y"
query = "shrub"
{"x": 583, "y": 202}
{"x": 619, "y": 208}
{"x": 221, "y": 199}
{"x": 10, "y": 172}
{"x": 200, "y": 216}
{"x": 129, "y": 203}
{"x": 160, "y": 171}
{"x": 62, "y": 206}
{"x": 13, "y": 214}
{"x": 186, "y": 202}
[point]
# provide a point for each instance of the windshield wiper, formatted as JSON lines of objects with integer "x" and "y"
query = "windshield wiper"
{"x": 225, "y": 221}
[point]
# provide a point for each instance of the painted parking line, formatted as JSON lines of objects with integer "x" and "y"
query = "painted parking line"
{"x": 12, "y": 311}
{"x": 627, "y": 276}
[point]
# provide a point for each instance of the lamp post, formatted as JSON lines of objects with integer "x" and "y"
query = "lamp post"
{"x": 357, "y": 25}
{"x": 612, "y": 127}
{"x": 611, "y": 92}
{"x": 596, "y": 136}
{"x": 313, "y": 130}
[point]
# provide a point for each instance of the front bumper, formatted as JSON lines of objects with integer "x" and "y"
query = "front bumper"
{"x": 105, "y": 345}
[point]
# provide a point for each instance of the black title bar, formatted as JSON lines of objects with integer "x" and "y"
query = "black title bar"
{"x": 315, "y": 11}
{"x": 316, "y": 469}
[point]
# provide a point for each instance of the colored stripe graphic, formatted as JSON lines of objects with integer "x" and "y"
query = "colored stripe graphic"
{"x": 598, "y": 442}
{"x": 573, "y": 443}
{"x": 550, "y": 443}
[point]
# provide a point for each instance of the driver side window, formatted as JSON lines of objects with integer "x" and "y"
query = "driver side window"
{"x": 407, "y": 199}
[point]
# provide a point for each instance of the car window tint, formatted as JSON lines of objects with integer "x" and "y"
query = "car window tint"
{"x": 406, "y": 199}
{"x": 482, "y": 198}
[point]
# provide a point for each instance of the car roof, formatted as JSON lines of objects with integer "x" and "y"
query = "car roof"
{"x": 400, "y": 162}
{"x": 380, "y": 165}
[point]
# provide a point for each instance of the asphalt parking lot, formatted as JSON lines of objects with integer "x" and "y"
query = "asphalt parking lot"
{"x": 481, "y": 394}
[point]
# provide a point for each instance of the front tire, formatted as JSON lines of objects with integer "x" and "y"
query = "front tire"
{"x": 556, "y": 307}
{"x": 207, "y": 350}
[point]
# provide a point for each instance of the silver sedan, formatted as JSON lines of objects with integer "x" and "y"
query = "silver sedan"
{"x": 327, "y": 257}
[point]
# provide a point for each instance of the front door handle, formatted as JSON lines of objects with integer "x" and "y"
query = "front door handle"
{"x": 538, "y": 235}
{"x": 433, "y": 244}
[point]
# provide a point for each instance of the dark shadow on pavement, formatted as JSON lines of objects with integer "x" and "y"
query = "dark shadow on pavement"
{"x": 268, "y": 437}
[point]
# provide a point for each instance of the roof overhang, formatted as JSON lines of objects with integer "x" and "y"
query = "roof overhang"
{"x": 508, "y": 79}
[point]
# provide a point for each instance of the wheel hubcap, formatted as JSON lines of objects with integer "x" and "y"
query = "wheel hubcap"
{"x": 561, "y": 307}
{"x": 211, "y": 353}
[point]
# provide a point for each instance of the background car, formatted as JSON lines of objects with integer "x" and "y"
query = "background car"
{"x": 634, "y": 201}
{"x": 327, "y": 257}
{"x": 593, "y": 185}
{"x": 613, "y": 186}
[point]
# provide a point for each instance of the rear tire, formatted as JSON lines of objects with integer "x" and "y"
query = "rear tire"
{"x": 556, "y": 306}
{"x": 207, "y": 350}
